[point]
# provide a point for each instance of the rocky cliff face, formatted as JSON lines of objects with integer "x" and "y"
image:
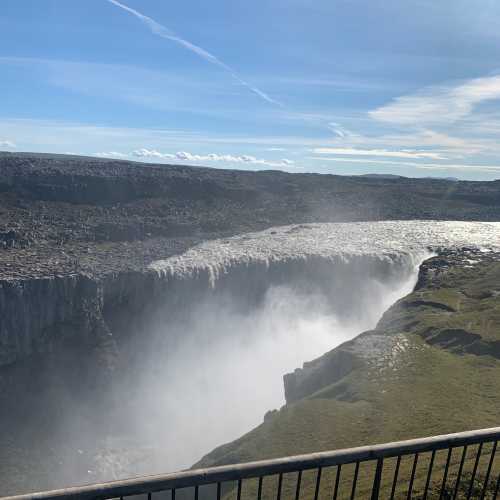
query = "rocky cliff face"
{"x": 38, "y": 315}
{"x": 53, "y": 340}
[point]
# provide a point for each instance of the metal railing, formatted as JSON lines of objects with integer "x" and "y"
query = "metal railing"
{"x": 386, "y": 471}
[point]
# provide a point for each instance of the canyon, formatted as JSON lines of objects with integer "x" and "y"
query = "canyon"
{"x": 141, "y": 302}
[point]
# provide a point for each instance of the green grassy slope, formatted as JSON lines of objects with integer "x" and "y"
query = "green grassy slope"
{"x": 430, "y": 367}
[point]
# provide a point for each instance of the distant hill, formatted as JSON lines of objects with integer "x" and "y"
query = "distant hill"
{"x": 454, "y": 179}
{"x": 383, "y": 176}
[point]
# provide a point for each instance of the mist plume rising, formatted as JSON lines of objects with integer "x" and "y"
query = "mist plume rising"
{"x": 207, "y": 362}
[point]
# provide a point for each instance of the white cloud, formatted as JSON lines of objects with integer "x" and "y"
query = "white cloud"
{"x": 164, "y": 32}
{"x": 7, "y": 144}
{"x": 407, "y": 153}
{"x": 212, "y": 157}
{"x": 439, "y": 105}
{"x": 111, "y": 154}
{"x": 151, "y": 153}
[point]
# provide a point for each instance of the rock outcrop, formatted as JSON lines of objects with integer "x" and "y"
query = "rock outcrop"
{"x": 40, "y": 314}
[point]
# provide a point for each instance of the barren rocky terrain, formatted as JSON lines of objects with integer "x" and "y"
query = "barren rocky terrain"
{"x": 65, "y": 214}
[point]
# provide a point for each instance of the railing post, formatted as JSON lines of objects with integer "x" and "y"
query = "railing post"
{"x": 377, "y": 479}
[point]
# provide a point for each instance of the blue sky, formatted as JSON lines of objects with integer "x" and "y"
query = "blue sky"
{"x": 336, "y": 86}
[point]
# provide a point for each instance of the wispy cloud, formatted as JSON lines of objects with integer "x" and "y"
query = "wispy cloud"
{"x": 162, "y": 31}
{"x": 345, "y": 83}
{"x": 212, "y": 157}
{"x": 7, "y": 144}
{"x": 380, "y": 152}
{"x": 339, "y": 130}
{"x": 425, "y": 166}
{"x": 439, "y": 105}
{"x": 87, "y": 138}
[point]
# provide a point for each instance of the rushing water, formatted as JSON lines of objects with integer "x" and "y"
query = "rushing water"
{"x": 330, "y": 241}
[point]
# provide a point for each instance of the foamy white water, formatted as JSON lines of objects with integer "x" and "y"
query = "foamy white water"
{"x": 330, "y": 240}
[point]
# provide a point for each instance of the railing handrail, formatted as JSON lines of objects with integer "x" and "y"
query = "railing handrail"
{"x": 234, "y": 472}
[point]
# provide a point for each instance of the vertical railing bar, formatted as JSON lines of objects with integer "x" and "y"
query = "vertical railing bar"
{"x": 377, "y": 479}
{"x": 280, "y": 485}
{"x": 297, "y": 490}
{"x": 318, "y": 480}
{"x": 149, "y": 496}
{"x": 238, "y": 495}
{"x": 459, "y": 475}
{"x": 355, "y": 481}
{"x": 474, "y": 470}
{"x": 488, "y": 471}
{"x": 412, "y": 478}
{"x": 173, "y": 494}
{"x": 445, "y": 474}
{"x": 395, "y": 480}
{"x": 196, "y": 491}
{"x": 259, "y": 490}
{"x": 337, "y": 482}
{"x": 497, "y": 489}
{"x": 218, "y": 491}
{"x": 429, "y": 474}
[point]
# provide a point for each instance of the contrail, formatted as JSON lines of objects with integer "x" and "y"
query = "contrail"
{"x": 164, "y": 32}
